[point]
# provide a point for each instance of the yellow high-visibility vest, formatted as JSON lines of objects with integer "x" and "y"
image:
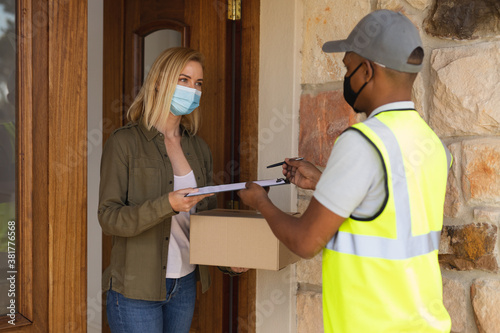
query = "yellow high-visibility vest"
{"x": 382, "y": 274}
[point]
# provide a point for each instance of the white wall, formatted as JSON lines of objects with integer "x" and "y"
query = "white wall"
{"x": 94, "y": 238}
{"x": 279, "y": 99}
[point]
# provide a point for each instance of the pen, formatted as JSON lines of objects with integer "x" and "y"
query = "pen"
{"x": 281, "y": 163}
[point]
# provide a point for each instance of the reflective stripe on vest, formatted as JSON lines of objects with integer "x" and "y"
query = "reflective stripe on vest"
{"x": 405, "y": 245}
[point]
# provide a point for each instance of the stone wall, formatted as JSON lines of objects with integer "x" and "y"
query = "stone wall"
{"x": 457, "y": 94}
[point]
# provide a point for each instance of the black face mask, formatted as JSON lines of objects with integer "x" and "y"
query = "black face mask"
{"x": 349, "y": 95}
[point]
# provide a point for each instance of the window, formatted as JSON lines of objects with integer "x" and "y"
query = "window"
{"x": 15, "y": 165}
{"x": 8, "y": 225}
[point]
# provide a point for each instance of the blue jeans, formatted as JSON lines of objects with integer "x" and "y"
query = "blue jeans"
{"x": 173, "y": 315}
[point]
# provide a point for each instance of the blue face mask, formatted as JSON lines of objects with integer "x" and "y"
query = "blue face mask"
{"x": 185, "y": 100}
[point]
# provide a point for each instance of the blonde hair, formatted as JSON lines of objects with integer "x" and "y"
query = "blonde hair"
{"x": 154, "y": 99}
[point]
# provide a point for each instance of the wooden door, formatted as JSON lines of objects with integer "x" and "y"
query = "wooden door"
{"x": 204, "y": 26}
{"x": 50, "y": 251}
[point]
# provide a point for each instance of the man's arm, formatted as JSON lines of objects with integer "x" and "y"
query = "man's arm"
{"x": 306, "y": 235}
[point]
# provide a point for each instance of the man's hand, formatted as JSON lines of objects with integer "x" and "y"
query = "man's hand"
{"x": 180, "y": 203}
{"x": 254, "y": 195}
{"x": 301, "y": 173}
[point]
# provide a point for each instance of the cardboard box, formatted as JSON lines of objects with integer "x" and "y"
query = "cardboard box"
{"x": 236, "y": 238}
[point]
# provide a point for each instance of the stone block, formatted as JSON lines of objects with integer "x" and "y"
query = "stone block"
{"x": 418, "y": 96}
{"x": 310, "y": 271}
{"x": 453, "y": 201}
{"x": 464, "y": 19}
{"x": 394, "y": 5}
{"x": 469, "y": 247}
{"x": 397, "y": 5}
{"x": 309, "y": 312}
{"x": 302, "y": 204}
{"x": 454, "y": 301}
{"x": 326, "y": 20}
{"x": 306, "y": 193}
{"x": 466, "y": 98}
{"x": 420, "y": 4}
{"x": 303, "y": 199}
{"x": 481, "y": 171}
{"x": 485, "y": 297}
{"x": 488, "y": 215}
{"x": 323, "y": 117}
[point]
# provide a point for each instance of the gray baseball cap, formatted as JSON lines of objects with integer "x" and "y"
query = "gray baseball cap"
{"x": 383, "y": 36}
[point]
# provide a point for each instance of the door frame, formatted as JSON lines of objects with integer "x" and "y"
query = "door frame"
{"x": 248, "y": 149}
{"x": 51, "y": 198}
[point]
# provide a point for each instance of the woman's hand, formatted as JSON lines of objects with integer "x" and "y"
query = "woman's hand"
{"x": 180, "y": 203}
{"x": 301, "y": 173}
{"x": 239, "y": 269}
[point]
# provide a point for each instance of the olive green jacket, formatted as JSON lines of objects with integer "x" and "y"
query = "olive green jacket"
{"x": 136, "y": 177}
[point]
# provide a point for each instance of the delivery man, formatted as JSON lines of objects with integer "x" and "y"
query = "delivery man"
{"x": 377, "y": 209}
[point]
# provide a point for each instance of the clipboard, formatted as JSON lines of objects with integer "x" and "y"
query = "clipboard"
{"x": 237, "y": 186}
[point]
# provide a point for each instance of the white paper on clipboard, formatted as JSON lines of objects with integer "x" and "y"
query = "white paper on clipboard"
{"x": 236, "y": 186}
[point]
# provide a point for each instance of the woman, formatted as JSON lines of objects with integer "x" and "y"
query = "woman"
{"x": 147, "y": 168}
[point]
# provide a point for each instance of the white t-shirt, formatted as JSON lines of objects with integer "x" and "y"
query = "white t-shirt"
{"x": 353, "y": 180}
{"x": 178, "y": 248}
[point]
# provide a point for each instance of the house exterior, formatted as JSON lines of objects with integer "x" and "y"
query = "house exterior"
{"x": 299, "y": 111}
